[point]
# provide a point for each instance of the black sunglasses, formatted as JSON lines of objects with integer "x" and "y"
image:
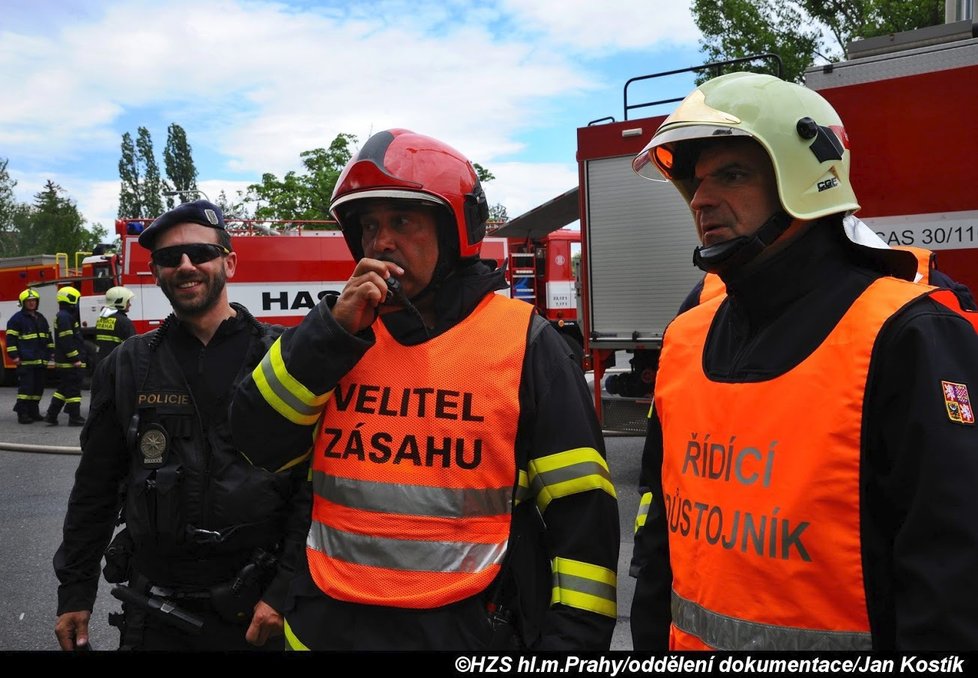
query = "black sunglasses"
{"x": 198, "y": 253}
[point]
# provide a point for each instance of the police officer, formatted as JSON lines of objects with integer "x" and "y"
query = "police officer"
{"x": 69, "y": 359}
{"x": 461, "y": 494}
{"x": 30, "y": 347}
{"x": 206, "y": 544}
{"x": 810, "y": 463}
{"x": 113, "y": 325}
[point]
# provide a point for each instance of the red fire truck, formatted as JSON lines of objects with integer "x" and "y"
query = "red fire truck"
{"x": 284, "y": 269}
{"x": 908, "y": 103}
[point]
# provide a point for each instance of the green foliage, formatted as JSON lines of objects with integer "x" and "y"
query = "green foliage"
{"x": 129, "y": 203}
{"x": 52, "y": 224}
{"x": 801, "y": 30}
{"x": 178, "y": 162}
{"x": 233, "y": 209}
{"x": 483, "y": 174}
{"x": 141, "y": 186}
{"x": 498, "y": 212}
{"x": 303, "y": 196}
{"x": 8, "y": 206}
{"x": 150, "y": 194}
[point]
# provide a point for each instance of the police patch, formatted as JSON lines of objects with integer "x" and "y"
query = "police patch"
{"x": 153, "y": 445}
{"x": 958, "y": 403}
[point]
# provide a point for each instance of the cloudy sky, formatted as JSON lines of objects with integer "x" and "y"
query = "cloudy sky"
{"x": 254, "y": 83}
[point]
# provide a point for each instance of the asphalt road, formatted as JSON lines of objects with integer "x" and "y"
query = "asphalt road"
{"x": 34, "y": 488}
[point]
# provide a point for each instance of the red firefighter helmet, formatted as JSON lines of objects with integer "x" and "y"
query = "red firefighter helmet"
{"x": 399, "y": 164}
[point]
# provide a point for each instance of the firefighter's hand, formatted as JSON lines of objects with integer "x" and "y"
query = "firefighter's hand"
{"x": 356, "y": 308}
{"x": 265, "y": 623}
{"x": 72, "y": 629}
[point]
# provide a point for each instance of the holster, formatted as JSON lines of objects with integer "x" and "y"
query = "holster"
{"x": 235, "y": 600}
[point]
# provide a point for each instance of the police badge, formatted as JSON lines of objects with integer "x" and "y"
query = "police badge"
{"x": 153, "y": 445}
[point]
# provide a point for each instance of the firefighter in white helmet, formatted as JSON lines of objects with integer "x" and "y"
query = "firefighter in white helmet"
{"x": 810, "y": 465}
{"x": 30, "y": 347}
{"x": 461, "y": 498}
{"x": 113, "y": 325}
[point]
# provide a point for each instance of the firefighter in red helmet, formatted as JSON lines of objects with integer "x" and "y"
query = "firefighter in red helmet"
{"x": 461, "y": 494}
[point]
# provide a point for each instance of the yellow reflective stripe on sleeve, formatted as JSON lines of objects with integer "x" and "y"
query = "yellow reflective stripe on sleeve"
{"x": 13, "y": 333}
{"x": 522, "y": 488}
{"x": 643, "y": 511}
{"x": 65, "y": 333}
{"x": 291, "y": 642}
{"x": 283, "y": 392}
{"x": 651, "y": 410}
{"x": 585, "y": 586}
{"x": 569, "y": 472}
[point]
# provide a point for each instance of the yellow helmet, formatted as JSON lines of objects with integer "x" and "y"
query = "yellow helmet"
{"x": 29, "y": 293}
{"x": 801, "y": 132}
{"x": 68, "y": 295}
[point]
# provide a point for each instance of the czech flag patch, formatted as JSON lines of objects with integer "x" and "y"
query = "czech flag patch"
{"x": 958, "y": 403}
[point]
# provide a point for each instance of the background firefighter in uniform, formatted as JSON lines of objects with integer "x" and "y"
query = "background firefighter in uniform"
{"x": 204, "y": 530}
{"x": 458, "y": 467}
{"x": 69, "y": 360}
{"x": 30, "y": 346}
{"x": 113, "y": 325}
{"x": 810, "y": 463}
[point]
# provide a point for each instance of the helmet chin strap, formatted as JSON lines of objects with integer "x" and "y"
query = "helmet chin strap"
{"x": 732, "y": 254}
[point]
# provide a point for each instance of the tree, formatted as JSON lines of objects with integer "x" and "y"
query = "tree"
{"x": 801, "y": 30}
{"x": 324, "y": 167}
{"x": 498, "y": 213}
{"x": 151, "y": 191}
{"x": 303, "y": 196}
{"x": 8, "y": 206}
{"x": 129, "y": 202}
{"x": 483, "y": 174}
{"x": 178, "y": 162}
{"x": 233, "y": 209}
{"x": 53, "y": 224}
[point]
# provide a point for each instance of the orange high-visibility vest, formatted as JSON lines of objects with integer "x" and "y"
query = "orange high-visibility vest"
{"x": 761, "y": 488}
{"x": 926, "y": 261}
{"x": 414, "y": 464}
{"x": 713, "y": 287}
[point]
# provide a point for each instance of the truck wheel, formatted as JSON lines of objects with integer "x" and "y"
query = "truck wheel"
{"x": 575, "y": 347}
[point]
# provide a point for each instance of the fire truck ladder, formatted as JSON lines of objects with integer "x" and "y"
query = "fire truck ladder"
{"x": 523, "y": 276}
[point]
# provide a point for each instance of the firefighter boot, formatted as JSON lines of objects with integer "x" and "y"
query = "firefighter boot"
{"x": 23, "y": 414}
{"x": 74, "y": 414}
{"x": 53, "y": 410}
{"x": 35, "y": 411}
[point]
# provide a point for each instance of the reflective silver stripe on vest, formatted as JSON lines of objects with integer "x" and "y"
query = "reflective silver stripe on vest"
{"x": 730, "y": 633}
{"x": 415, "y": 500}
{"x": 404, "y": 554}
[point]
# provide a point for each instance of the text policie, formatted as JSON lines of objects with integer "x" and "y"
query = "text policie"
{"x": 771, "y": 535}
{"x": 382, "y": 447}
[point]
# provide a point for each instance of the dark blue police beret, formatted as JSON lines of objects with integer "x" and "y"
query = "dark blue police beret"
{"x": 200, "y": 212}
